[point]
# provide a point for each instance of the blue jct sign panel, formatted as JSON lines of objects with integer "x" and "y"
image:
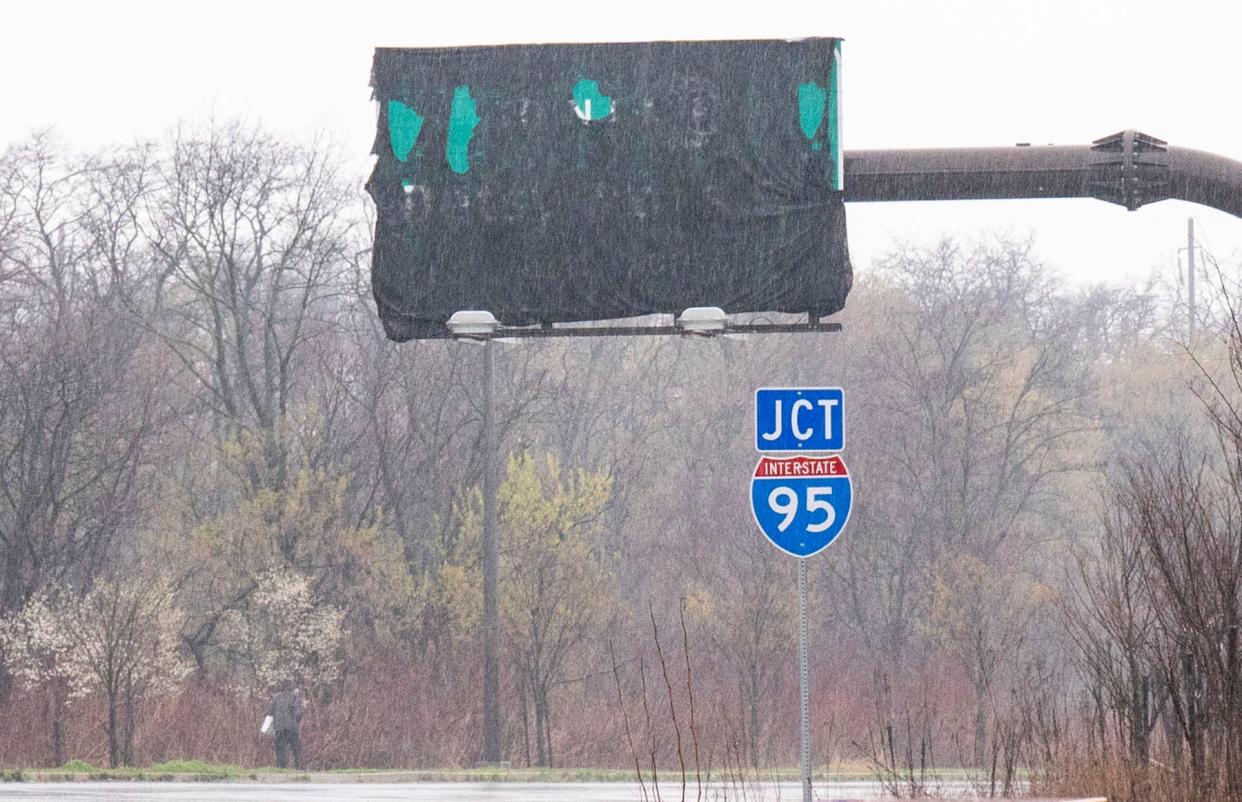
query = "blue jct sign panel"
{"x": 801, "y": 503}
{"x": 799, "y": 419}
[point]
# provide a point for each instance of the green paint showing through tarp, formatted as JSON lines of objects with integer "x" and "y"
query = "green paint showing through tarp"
{"x": 404, "y": 126}
{"x": 812, "y": 99}
{"x": 590, "y": 103}
{"x": 463, "y": 119}
{"x": 834, "y": 119}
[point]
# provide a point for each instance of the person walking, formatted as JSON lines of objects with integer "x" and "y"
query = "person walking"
{"x": 285, "y": 715}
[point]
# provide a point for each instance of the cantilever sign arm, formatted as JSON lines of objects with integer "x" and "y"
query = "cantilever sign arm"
{"x": 1128, "y": 168}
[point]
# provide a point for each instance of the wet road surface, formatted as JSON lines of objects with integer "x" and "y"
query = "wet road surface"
{"x": 333, "y": 792}
{"x": 419, "y": 792}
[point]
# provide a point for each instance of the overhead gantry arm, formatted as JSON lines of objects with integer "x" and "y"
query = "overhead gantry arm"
{"x": 1129, "y": 168}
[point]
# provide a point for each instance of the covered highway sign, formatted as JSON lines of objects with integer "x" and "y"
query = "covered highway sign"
{"x": 588, "y": 182}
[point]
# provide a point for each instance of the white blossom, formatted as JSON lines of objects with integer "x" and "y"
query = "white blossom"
{"x": 38, "y": 648}
{"x": 286, "y": 633}
{"x": 128, "y": 633}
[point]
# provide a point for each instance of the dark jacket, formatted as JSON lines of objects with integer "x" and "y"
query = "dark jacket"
{"x": 286, "y": 710}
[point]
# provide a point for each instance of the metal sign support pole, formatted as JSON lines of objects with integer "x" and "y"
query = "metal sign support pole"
{"x": 491, "y": 571}
{"x": 804, "y": 682}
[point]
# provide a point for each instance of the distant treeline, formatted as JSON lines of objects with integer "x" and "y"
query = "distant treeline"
{"x": 216, "y": 473}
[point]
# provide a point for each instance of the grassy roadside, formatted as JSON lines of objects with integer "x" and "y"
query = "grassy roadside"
{"x": 200, "y": 771}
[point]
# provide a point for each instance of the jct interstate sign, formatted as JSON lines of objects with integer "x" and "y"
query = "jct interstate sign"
{"x": 801, "y": 502}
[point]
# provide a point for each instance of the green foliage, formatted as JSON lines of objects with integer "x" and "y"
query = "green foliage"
{"x": 193, "y": 767}
{"x": 557, "y": 574}
{"x": 556, "y": 570}
{"x": 305, "y": 527}
{"x": 552, "y": 548}
{"x": 197, "y": 770}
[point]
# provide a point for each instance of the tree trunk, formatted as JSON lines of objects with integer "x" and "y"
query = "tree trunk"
{"x": 1140, "y": 715}
{"x": 54, "y": 713}
{"x": 547, "y": 728}
{"x": 525, "y": 720}
{"x": 10, "y": 601}
{"x": 752, "y": 735}
{"x": 1233, "y": 760}
{"x": 1140, "y": 746}
{"x": 127, "y": 730}
{"x": 982, "y": 679}
{"x": 113, "y": 753}
{"x": 1194, "y": 720}
{"x": 981, "y": 731}
{"x": 1173, "y": 737}
{"x": 58, "y": 742}
{"x": 541, "y": 712}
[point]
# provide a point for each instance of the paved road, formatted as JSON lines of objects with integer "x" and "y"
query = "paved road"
{"x": 414, "y": 792}
{"x": 334, "y": 792}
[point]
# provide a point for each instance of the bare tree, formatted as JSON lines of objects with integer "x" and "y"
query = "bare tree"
{"x": 128, "y": 634}
{"x": 253, "y": 237}
{"x": 745, "y": 600}
{"x": 74, "y": 423}
{"x": 973, "y": 396}
{"x": 1157, "y": 618}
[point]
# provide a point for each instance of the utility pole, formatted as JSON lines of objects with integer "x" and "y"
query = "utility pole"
{"x": 491, "y": 560}
{"x": 1190, "y": 280}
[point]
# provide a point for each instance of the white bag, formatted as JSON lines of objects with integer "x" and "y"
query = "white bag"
{"x": 267, "y": 725}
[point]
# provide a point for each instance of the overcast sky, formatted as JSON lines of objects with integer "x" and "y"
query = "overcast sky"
{"x": 964, "y": 72}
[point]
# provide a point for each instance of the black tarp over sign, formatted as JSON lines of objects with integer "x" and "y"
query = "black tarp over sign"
{"x": 577, "y": 182}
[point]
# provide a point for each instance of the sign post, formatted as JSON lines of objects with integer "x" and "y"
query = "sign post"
{"x": 802, "y": 502}
{"x": 804, "y": 684}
